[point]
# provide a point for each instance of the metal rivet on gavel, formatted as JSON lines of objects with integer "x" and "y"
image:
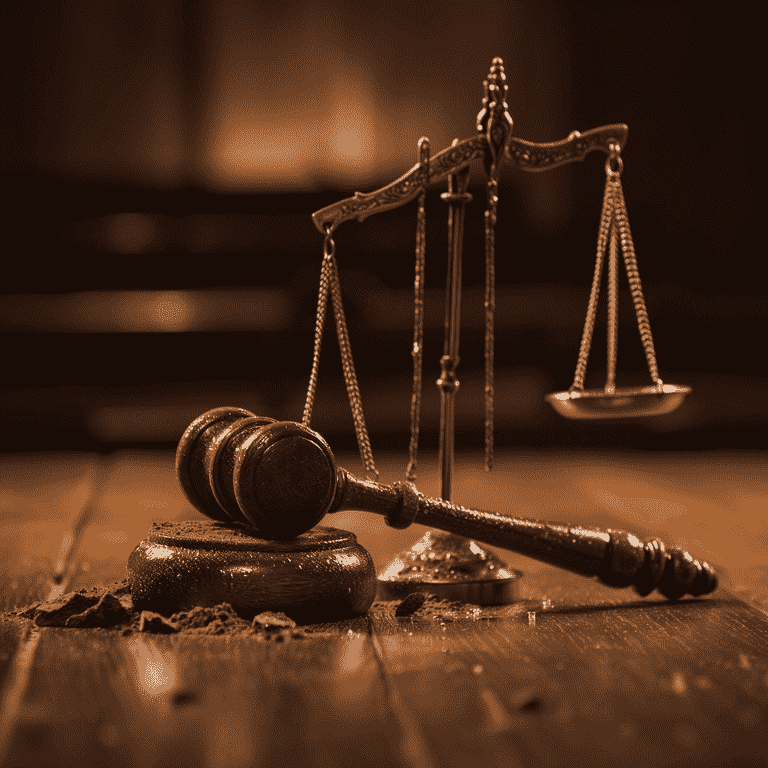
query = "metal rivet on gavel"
{"x": 281, "y": 478}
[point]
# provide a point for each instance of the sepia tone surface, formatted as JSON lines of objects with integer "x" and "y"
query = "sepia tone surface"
{"x": 574, "y": 670}
{"x": 161, "y": 162}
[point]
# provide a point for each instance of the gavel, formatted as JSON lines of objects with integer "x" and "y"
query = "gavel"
{"x": 281, "y": 478}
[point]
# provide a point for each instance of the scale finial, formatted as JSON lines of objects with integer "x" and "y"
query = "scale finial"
{"x": 494, "y": 119}
{"x": 496, "y": 76}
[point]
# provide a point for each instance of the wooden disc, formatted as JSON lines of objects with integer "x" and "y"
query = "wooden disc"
{"x": 322, "y": 575}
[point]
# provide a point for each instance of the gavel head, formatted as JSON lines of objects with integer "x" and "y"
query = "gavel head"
{"x": 277, "y": 476}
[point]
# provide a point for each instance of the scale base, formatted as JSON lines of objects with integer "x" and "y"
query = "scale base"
{"x": 451, "y": 568}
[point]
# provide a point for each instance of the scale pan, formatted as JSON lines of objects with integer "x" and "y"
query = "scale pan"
{"x": 619, "y": 404}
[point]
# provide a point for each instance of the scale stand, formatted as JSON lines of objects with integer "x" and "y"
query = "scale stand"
{"x": 447, "y": 565}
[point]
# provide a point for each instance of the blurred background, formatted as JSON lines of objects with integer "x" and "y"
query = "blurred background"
{"x": 162, "y": 160}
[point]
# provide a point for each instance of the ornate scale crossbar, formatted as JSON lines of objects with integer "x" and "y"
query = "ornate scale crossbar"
{"x": 444, "y": 563}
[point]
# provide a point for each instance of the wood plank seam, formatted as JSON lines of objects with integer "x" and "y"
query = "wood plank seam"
{"x": 21, "y": 665}
{"x": 412, "y": 742}
{"x": 71, "y": 539}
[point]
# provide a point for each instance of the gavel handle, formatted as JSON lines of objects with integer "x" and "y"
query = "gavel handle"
{"x": 617, "y": 558}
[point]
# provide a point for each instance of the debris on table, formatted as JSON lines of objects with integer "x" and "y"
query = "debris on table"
{"x": 112, "y": 607}
{"x": 154, "y": 622}
{"x": 109, "y": 611}
{"x": 411, "y": 604}
{"x": 58, "y": 612}
{"x": 429, "y": 607}
{"x": 224, "y": 620}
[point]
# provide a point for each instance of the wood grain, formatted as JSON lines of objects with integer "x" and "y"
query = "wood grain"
{"x": 148, "y": 700}
{"x": 631, "y": 683}
{"x": 46, "y": 500}
{"x": 204, "y": 701}
{"x": 576, "y": 674}
{"x": 42, "y": 499}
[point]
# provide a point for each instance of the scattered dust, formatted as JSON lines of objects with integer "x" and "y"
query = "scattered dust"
{"x": 411, "y": 604}
{"x": 111, "y": 608}
{"x": 149, "y": 621}
{"x": 423, "y": 605}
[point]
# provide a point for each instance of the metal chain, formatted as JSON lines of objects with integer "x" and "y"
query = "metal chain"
{"x": 350, "y": 377}
{"x": 615, "y": 222}
{"x": 606, "y": 218}
{"x": 635, "y": 287}
{"x": 329, "y": 283}
{"x": 418, "y": 318}
{"x": 329, "y": 248}
{"x": 490, "y": 312}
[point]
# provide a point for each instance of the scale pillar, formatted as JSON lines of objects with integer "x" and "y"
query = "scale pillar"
{"x": 445, "y": 564}
{"x": 456, "y": 197}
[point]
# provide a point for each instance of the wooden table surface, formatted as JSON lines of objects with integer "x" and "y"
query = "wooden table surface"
{"x": 600, "y": 677}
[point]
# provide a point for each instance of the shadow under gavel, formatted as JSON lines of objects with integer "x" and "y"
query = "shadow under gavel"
{"x": 281, "y": 478}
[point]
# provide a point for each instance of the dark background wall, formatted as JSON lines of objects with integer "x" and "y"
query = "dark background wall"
{"x": 161, "y": 162}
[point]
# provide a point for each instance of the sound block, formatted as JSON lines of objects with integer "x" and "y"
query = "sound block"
{"x": 322, "y": 575}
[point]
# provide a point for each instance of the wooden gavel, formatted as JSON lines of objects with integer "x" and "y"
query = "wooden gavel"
{"x": 281, "y": 478}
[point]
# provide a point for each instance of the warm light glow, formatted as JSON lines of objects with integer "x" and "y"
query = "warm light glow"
{"x": 346, "y": 561}
{"x": 299, "y": 115}
{"x": 157, "y": 552}
{"x": 149, "y": 311}
{"x": 244, "y": 150}
{"x": 155, "y": 671}
{"x": 352, "y": 655}
{"x": 267, "y": 148}
{"x": 393, "y": 569}
{"x": 348, "y": 144}
{"x": 171, "y": 310}
{"x": 351, "y": 129}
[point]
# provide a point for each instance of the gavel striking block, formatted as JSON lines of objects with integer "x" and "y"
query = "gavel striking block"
{"x": 284, "y": 480}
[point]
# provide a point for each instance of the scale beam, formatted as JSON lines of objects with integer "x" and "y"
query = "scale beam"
{"x": 528, "y": 156}
{"x": 525, "y": 155}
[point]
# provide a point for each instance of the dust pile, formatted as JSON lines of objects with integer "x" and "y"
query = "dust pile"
{"x": 420, "y": 605}
{"x": 111, "y": 608}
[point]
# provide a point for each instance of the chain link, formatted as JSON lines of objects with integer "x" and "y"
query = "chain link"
{"x": 329, "y": 283}
{"x": 614, "y": 222}
{"x": 635, "y": 287}
{"x": 589, "y": 324}
{"x": 329, "y": 248}
{"x": 350, "y": 377}
{"x": 490, "y": 312}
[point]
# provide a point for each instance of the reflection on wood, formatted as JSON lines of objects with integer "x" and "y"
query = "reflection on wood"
{"x": 637, "y": 684}
{"x": 577, "y": 673}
